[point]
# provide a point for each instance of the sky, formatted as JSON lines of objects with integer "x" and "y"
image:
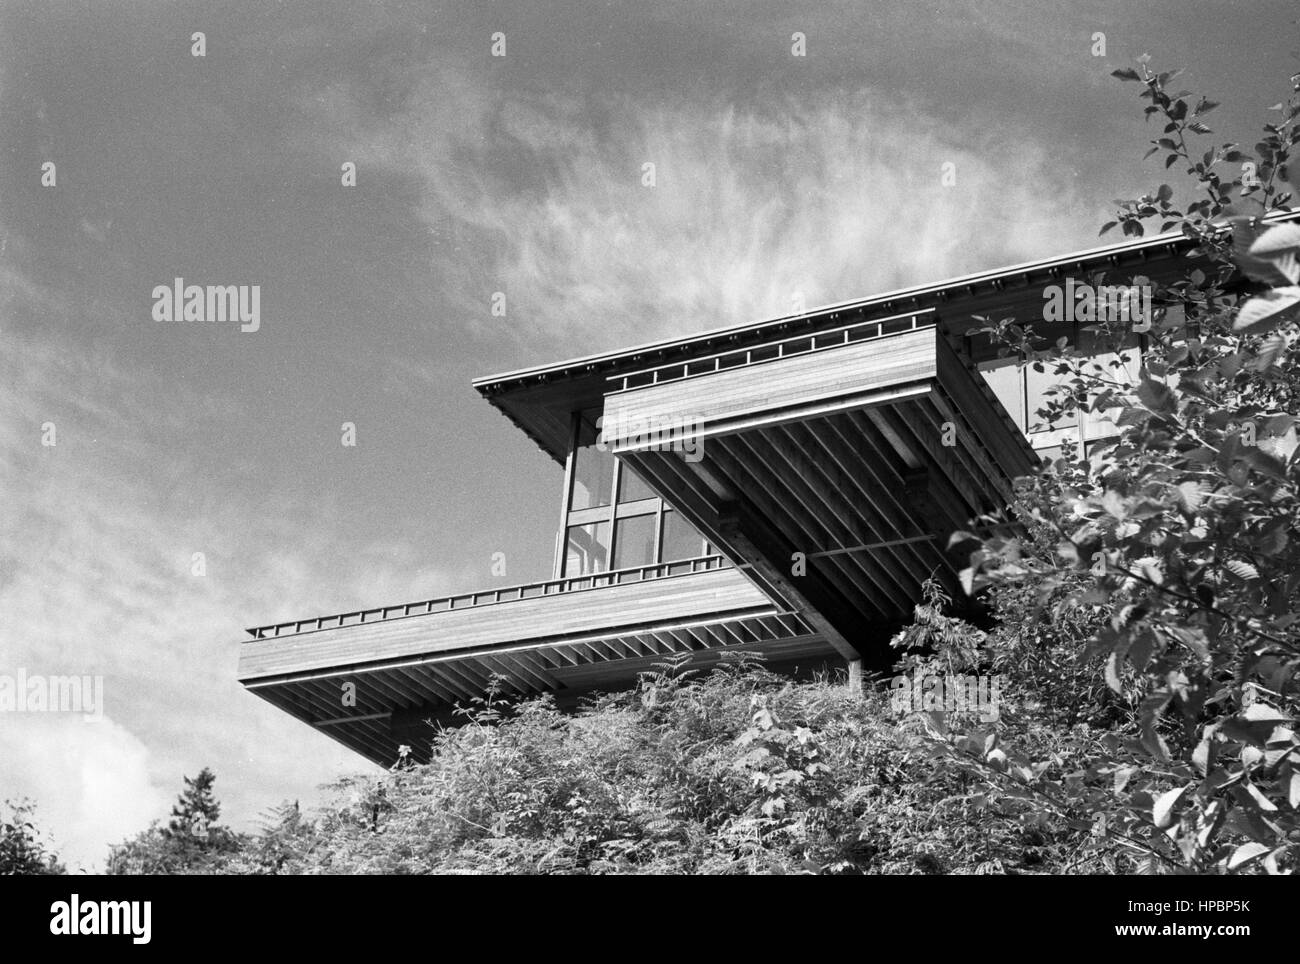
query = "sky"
{"x": 776, "y": 177}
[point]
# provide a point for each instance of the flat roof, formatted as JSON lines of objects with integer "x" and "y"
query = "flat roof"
{"x": 1171, "y": 239}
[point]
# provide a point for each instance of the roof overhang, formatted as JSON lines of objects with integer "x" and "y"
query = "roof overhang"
{"x": 834, "y": 466}
{"x": 538, "y": 399}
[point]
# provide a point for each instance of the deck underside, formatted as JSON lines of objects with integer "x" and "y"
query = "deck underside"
{"x": 373, "y": 686}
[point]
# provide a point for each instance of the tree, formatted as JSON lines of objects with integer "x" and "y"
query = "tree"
{"x": 1180, "y": 540}
{"x": 192, "y": 842}
{"x": 195, "y": 814}
{"x": 22, "y": 849}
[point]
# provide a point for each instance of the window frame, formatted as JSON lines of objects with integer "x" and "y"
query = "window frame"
{"x": 611, "y": 513}
{"x": 1088, "y": 429}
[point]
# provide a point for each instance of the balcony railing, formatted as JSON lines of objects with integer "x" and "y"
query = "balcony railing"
{"x": 773, "y": 350}
{"x": 492, "y": 597}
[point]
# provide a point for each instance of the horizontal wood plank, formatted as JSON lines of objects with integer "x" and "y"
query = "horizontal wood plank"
{"x": 608, "y": 609}
{"x": 856, "y": 373}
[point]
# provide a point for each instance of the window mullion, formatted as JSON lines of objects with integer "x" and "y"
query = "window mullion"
{"x": 562, "y": 545}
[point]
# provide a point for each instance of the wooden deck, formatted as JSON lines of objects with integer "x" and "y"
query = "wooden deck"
{"x": 566, "y": 637}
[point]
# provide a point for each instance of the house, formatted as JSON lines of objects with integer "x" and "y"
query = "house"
{"x": 783, "y": 487}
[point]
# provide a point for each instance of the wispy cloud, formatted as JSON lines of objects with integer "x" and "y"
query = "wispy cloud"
{"x": 830, "y": 196}
{"x": 98, "y": 535}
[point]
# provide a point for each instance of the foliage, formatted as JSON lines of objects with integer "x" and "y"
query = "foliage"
{"x": 192, "y": 842}
{"x": 1146, "y": 620}
{"x": 23, "y": 850}
{"x": 736, "y": 770}
{"x": 1170, "y": 557}
{"x": 196, "y": 812}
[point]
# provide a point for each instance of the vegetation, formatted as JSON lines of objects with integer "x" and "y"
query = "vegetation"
{"x": 1171, "y": 555}
{"x": 23, "y": 849}
{"x": 1145, "y": 604}
{"x": 734, "y": 771}
{"x": 192, "y": 841}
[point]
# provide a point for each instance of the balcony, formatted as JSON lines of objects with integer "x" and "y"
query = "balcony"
{"x": 399, "y": 666}
{"x": 853, "y": 451}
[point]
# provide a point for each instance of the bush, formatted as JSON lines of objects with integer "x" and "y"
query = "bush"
{"x": 734, "y": 771}
{"x": 23, "y": 850}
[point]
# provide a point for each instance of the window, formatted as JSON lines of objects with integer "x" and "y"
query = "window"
{"x": 593, "y": 469}
{"x": 612, "y": 518}
{"x": 681, "y": 540}
{"x": 1022, "y": 391}
{"x": 1036, "y": 388}
{"x": 631, "y": 487}
{"x": 1008, "y": 384}
{"x": 586, "y": 549}
{"x": 1119, "y": 366}
{"x": 634, "y": 541}
{"x": 1050, "y": 454}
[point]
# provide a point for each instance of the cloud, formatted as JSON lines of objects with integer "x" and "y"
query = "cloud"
{"x": 91, "y": 781}
{"x": 830, "y": 195}
{"x": 97, "y": 542}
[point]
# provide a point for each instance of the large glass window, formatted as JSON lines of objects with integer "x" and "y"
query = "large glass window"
{"x": 604, "y": 530}
{"x": 1022, "y": 392}
{"x": 631, "y": 487}
{"x": 586, "y": 549}
{"x": 681, "y": 540}
{"x": 1008, "y": 383}
{"x": 593, "y": 469}
{"x": 1037, "y": 385}
{"x": 634, "y": 541}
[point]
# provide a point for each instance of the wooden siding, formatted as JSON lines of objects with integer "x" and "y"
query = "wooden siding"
{"x": 392, "y": 700}
{"x": 780, "y": 389}
{"x": 601, "y": 610}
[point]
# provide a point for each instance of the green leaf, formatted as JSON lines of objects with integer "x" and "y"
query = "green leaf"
{"x": 1242, "y": 570}
{"x": 1263, "y": 713}
{"x": 1246, "y": 231}
{"x": 1133, "y": 416}
{"x": 1269, "y": 352}
{"x": 1162, "y": 812}
{"x": 1126, "y": 73}
{"x": 1280, "y": 245}
{"x": 1245, "y": 854}
{"x": 1112, "y": 673}
{"x": 1157, "y": 396}
{"x": 1193, "y": 637}
{"x": 1202, "y": 755}
{"x": 1191, "y": 495}
{"x": 1268, "y": 310}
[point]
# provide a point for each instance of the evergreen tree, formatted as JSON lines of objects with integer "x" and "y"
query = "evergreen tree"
{"x": 195, "y": 814}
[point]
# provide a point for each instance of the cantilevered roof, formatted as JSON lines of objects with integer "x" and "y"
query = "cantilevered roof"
{"x": 538, "y": 398}
{"x": 834, "y": 465}
{"x": 1142, "y": 248}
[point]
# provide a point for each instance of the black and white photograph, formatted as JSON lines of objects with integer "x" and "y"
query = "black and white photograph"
{"x": 677, "y": 438}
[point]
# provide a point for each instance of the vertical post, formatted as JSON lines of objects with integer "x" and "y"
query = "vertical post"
{"x": 855, "y": 677}
{"x": 562, "y": 539}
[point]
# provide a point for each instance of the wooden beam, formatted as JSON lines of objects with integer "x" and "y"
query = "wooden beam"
{"x": 801, "y": 527}
{"x": 352, "y": 719}
{"x": 739, "y": 528}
